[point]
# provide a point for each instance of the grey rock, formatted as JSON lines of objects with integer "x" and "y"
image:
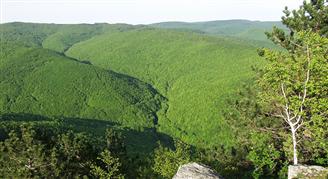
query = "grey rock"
{"x": 306, "y": 172}
{"x": 196, "y": 171}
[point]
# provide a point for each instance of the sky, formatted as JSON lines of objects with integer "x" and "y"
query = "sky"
{"x": 141, "y": 11}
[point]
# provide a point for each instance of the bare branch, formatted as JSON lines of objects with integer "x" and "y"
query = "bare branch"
{"x": 300, "y": 125}
{"x": 284, "y": 94}
{"x": 278, "y": 115}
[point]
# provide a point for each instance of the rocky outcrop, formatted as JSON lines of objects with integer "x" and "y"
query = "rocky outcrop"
{"x": 196, "y": 171}
{"x": 306, "y": 172}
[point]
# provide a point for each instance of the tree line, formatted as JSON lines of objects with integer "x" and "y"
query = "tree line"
{"x": 279, "y": 119}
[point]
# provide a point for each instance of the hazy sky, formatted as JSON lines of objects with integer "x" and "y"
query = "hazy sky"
{"x": 141, "y": 11}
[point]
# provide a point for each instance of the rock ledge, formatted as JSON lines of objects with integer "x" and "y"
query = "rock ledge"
{"x": 304, "y": 172}
{"x": 196, "y": 171}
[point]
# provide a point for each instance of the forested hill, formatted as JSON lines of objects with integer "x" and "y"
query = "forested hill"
{"x": 196, "y": 74}
{"x": 138, "y": 101}
{"x": 251, "y": 30}
{"x": 37, "y": 79}
{"x": 177, "y": 82}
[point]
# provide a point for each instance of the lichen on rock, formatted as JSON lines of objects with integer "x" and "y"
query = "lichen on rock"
{"x": 196, "y": 171}
{"x": 307, "y": 172}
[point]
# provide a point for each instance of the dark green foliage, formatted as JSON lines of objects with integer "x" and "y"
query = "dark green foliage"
{"x": 24, "y": 157}
{"x": 228, "y": 162}
{"x": 26, "y": 152}
{"x": 74, "y": 153}
{"x": 167, "y": 161}
{"x": 311, "y": 15}
{"x": 111, "y": 166}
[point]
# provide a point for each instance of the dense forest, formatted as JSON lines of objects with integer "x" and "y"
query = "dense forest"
{"x": 247, "y": 98}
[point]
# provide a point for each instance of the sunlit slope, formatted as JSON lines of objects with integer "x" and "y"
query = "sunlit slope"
{"x": 42, "y": 82}
{"x": 68, "y": 35}
{"x": 194, "y": 72}
{"x": 57, "y": 37}
{"x": 252, "y": 30}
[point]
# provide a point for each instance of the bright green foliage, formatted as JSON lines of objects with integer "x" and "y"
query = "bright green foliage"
{"x": 290, "y": 71}
{"x": 68, "y": 35}
{"x": 317, "y": 103}
{"x": 259, "y": 106}
{"x": 36, "y": 81}
{"x": 167, "y": 161}
{"x": 264, "y": 155}
{"x": 294, "y": 82}
{"x": 110, "y": 169}
{"x": 195, "y": 73}
{"x": 46, "y": 83}
{"x": 165, "y": 82}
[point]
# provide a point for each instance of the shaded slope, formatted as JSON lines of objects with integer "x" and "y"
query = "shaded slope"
{"x": 195, "y": 72}
{"x": 43, "y": 82}
{"x": 140, "y": 142}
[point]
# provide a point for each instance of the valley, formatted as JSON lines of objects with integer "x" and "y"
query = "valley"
{"x": 139, "y": 76}
{"x": 171, "y": 92}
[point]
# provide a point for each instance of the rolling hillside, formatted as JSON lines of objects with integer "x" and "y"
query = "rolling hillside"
{"x": 68, "y": 35}
{"x": 39, "y": 84}
{"x": 250, "y": 30}
{"x": 196, "y": 74}
{"x": 136, "y": 76}
{"x": 46, "y": 83}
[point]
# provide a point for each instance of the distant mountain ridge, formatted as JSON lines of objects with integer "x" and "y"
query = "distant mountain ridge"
{"x": 247, "y": 29}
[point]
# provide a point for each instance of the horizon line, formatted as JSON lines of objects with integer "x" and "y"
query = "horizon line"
{"x": 75, "y": 23}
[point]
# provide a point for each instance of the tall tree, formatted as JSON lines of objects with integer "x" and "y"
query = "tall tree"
{"x": 294, "y": 83}
{"x": 289, "y": 80}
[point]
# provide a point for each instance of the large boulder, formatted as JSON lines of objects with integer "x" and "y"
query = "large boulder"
{"x": 196, "y": 171}
{"x": 307, "y": 172}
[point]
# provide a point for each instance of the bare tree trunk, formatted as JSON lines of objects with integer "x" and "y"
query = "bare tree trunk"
{"x": 294, "y": 145}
